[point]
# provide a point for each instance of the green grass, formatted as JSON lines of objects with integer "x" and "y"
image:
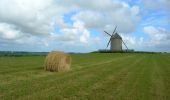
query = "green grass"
{"x": 92, "y": 76}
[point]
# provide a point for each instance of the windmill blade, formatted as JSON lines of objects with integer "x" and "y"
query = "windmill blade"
{"x": 108, "y": 42}
{"x": 114, "y": 30}
{"x": 108, "y": 33}
{"x": 125, "y": 44}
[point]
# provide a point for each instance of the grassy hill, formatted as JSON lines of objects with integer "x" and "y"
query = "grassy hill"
{"x": 92, "y": 76}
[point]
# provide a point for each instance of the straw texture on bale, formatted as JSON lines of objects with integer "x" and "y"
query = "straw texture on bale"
{"x": 57, "y": 61}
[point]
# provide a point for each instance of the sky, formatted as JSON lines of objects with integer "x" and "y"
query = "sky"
{"x": 79, "y": 25}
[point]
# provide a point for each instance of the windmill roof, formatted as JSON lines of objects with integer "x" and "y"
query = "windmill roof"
{"x": 117, "y": 36}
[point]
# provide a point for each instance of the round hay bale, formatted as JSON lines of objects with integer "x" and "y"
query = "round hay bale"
{"x": 57, "y": 61}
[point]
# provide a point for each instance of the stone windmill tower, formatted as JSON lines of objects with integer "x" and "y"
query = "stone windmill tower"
{"x": 116, "y": 41}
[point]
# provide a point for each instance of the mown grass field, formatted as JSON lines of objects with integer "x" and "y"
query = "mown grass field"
{"x": 92, "y": 76}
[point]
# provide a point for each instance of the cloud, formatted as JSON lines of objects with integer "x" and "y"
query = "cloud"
{"x": 159, "y": 37}
{"x": 77, "y": 34}
{"x": 29, "y": 16}
{"x": 119, "y": 13}
{"x": 41, "y": 16}
{"x": 9, "y": 32}
{"x": 34, "y": 22}
{"x": 133, "y": 42}
{"x": 157, "y": 33}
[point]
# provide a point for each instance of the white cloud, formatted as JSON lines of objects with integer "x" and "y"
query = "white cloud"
{"x": 85, "y": 36}
{"x": 77, "y": 34}
{"x": 34, "y": 21}
{"x": 90, "y": 18}
{"x": 133, "y": 42}
{"x": 41, "y": 16}
{"x": 119, "y": 13}
{"x": 157, "y": 33}
{"x": 9, "y": 32}
{"x": 30, "y": 16}
{"x": 159, "y": 37}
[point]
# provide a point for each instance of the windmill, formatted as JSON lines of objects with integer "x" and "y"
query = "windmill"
{"x": 116, "y": 41}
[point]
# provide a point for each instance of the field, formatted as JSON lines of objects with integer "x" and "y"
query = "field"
{"x": 92, "y": 76}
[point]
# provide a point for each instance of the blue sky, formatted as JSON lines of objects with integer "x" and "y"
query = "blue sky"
{"x": 78, "y": 25}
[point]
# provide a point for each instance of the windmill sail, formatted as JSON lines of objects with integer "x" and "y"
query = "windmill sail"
{"x": 110, "y": 36}
{"x": 116, "y": 41}
{"x": 125, "y": 44}
{"x": 108, "y": 43}
{"x": 114, "y": 30}
{"x": 107, "y": 33}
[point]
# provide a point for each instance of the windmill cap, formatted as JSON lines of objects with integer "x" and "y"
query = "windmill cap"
{"x": 116, "y": 36}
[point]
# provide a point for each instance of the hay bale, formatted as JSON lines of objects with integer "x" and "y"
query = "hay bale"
{"x": 57, "y": 61}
